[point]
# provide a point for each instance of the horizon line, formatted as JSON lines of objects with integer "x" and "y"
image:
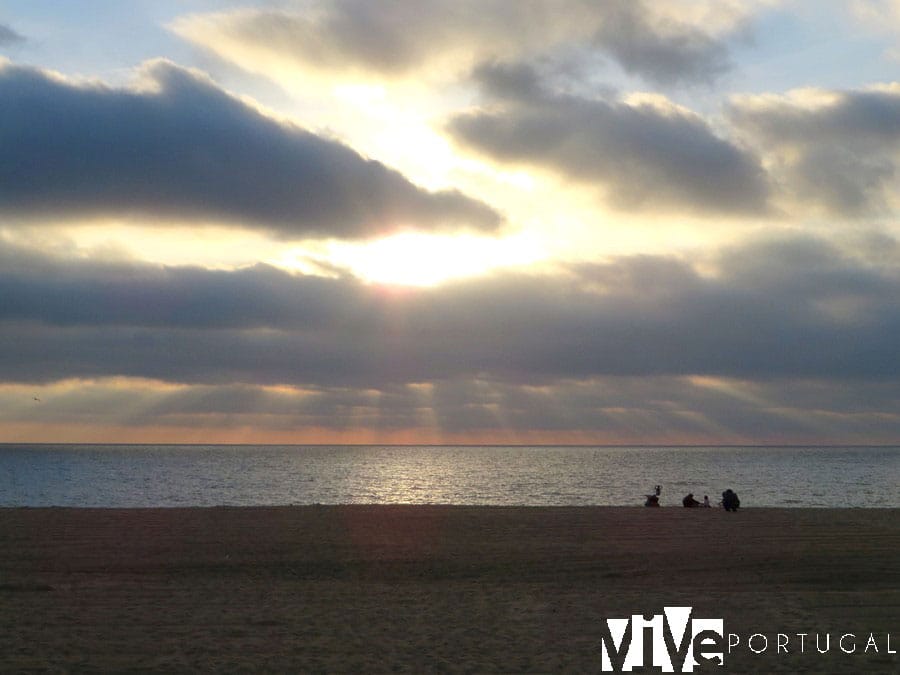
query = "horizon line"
{"x": 464, "y": 445}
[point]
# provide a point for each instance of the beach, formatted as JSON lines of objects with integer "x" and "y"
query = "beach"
{"x": 395, "y": 588}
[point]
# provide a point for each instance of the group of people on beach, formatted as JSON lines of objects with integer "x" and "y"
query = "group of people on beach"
{"x": 690, "y": 502}
{"x": 730, "y": 501}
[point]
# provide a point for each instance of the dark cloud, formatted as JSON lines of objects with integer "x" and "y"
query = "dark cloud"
{"x": 181, "y": 149}
{"x": 661, "y": 52}
{"x": 780, "y": 310}
{"x": 76, "y": 293}
{"x": 641, "y": 156}
{"x": 786, "y": 339}
{"x": 401, "y": 38}
{"x": 840, "y": 152}
{"x": 8, "y": 36}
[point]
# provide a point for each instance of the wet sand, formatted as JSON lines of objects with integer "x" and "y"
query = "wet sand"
{"x": 434, "y": 588}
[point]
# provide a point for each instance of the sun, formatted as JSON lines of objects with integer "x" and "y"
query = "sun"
{"x": 415, "y": 259}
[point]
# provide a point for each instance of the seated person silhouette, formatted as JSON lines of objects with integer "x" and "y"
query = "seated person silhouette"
{"x": 689, "y": 501}
{"x": 730, "y": 500}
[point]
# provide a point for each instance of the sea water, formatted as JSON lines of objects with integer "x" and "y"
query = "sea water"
{"x": 168, "y": 476}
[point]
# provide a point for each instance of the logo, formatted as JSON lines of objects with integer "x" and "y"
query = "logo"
{"x": 667, "y": 641}
{"x": 675, "y": 642}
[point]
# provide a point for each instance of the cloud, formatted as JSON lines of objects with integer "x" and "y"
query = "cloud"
{"x": 773, "y": 341}
{"x": 662, "y": 53}
{"x": 619, "y": 409}
{"x": 406, "y": 38}
{"x": 8, "y": 36}
{"x": 177, "y": 148}
{"x": 786, "y": 309}
{"x": 837, "y": 149}
{"x": 646, "y": 155}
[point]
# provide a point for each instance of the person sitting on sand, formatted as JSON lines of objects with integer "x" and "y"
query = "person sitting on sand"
{"x": 706, "y": 501}
{"x": 653, "y": 499}
{"x": 689, "y": 502}
{"x": 730, "y": 500}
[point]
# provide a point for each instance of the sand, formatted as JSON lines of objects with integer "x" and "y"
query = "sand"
{"x": 434, "y": 588}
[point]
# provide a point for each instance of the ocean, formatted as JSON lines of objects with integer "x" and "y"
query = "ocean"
{"x": 179, "y": 475}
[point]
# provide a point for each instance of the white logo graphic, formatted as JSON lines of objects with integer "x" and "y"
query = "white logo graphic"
{"x": 671, "y": 643}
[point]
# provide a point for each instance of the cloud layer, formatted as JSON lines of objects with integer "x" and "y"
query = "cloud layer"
{"x": 783, "y": 340}
{"x": 647, "y": 155}
{"x": 787, "y": 309}
{"x": 616, "y": 409}
{"x": 399, "y": 39}
{"x": 840, "y": 149}
{"x": 179, "y": 149}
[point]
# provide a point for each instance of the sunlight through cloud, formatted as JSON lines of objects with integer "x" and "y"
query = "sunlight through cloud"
{"x": 413, "y": 259}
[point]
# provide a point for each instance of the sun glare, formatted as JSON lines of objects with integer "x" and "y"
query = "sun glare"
{"x": 411, "y": 259}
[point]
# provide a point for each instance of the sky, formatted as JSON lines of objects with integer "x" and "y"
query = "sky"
{"x": 449, "y": 221}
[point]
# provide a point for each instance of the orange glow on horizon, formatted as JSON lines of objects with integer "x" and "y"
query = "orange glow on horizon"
{"x": 145, "y": 435}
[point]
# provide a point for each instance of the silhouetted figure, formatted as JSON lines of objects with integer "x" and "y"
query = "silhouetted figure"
{"x": 689, "y": 502}
{"x": 653, "y": 500}
{"x": 706, "y": 501}
{"x": 730, "y": 501}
